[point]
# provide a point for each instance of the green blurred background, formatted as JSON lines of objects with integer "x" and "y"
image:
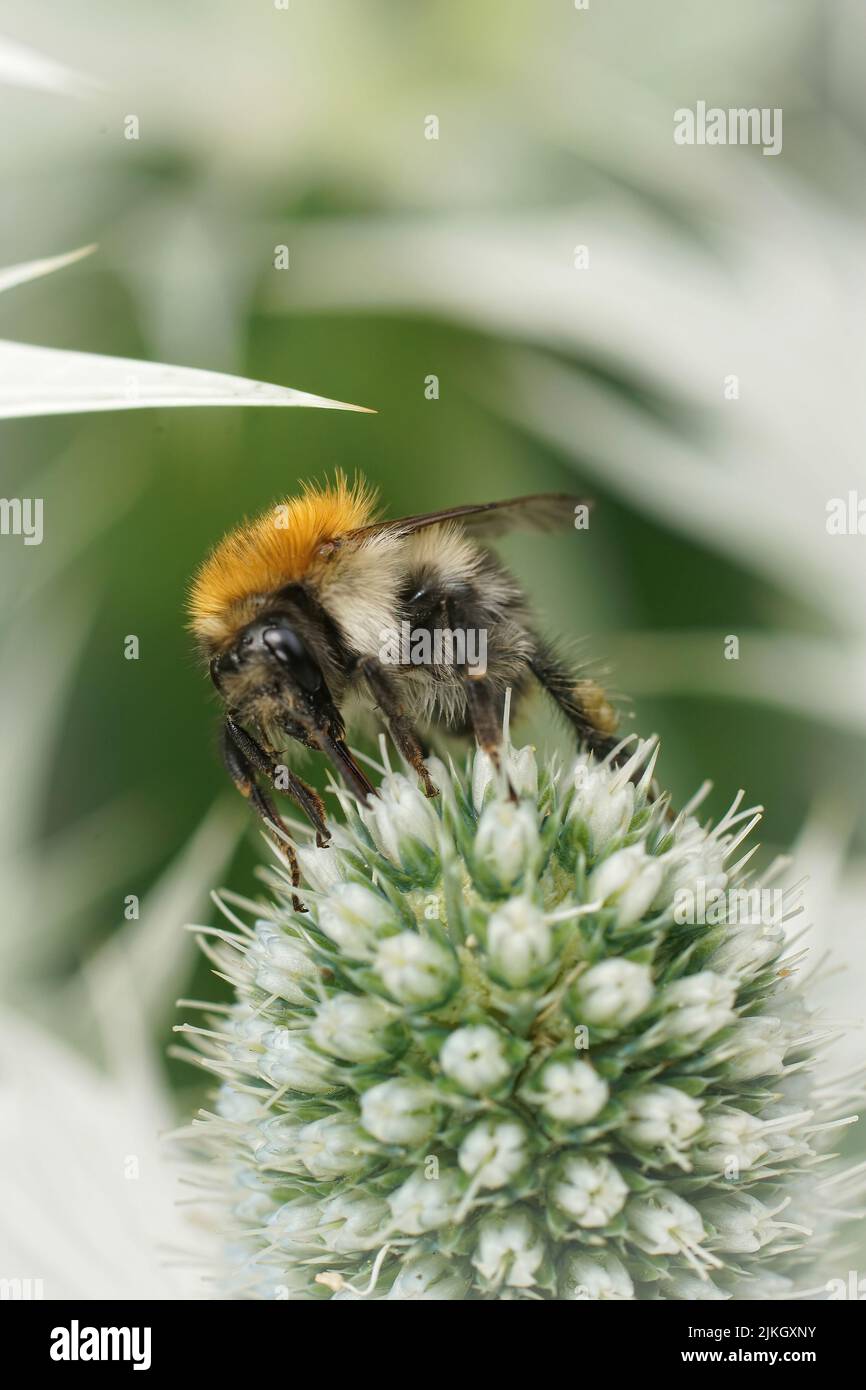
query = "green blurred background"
{"x": 305, "y": 127}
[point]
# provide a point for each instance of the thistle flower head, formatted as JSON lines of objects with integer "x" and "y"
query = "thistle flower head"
{"x": 491, "y": 1060}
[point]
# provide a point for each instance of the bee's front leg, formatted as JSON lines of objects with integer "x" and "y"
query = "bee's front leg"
{"x": 242, "y": 773}
{"x": 281, "y": 778}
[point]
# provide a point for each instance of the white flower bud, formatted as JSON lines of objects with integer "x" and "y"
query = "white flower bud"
{"x": 494, "y": 1151}
{"x": 696, "y": 857}
{"x": 519, "y": 942}
{"x": 251, "y": 1032}
{"x": 475, "y": 1057}
{"x": 400, "y": 1111}
{"x": 588, "y": 1190}
{"x": 354, "y": 917}
{"x": 332, "y": 1147}
{"x": 422, "y": 1203}
{"x": 293, "y": 1225}
{"x": 277, "y": 1280}
{"x": 569, "y": 1092}
{"x": 321, "y": 867}
{"x": 746, "y": 951}
{"x": 289, "y": 1060}
{"x": 598, "y": 1275}
{"x": 275, "y": 1144}
{"x": 692, "y": 1289}
{"x": 756, "y": 1048}
{"x": 697, "y": 1006}
{"x": 765, "y": 1286}
{"x": 353, "y": 1221}
{"x": 355, "y": 1027}
{"x": 741, "y": 1224}
{"x": 237, "y": 1106}
{"x": 280, "y": 964}
{"x": 507, "y": 840}
{"x": 428, "y": 1277}
{"x": 255, "y": 1209}
{"x": 613, "y": 993}
{"x": 661, "y": 1117}
{"x": 627, "y": 880}
{"x": 520, "y": 766}
{"x": 415, "y": 969}
{"x": 784, "y": 1143}
{"x": 603, "y": 803}
{"x": 663, "y": 1223}
{"x": 510, "y": 1249}
{"x": 730, "y": 1134}
{"x": 399, "y": 813}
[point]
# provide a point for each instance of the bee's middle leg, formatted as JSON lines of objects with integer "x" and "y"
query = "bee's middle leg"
{"x": 403, "y": 732}
{"x": 486, "y": 712}
{"x": 485, "y": 702}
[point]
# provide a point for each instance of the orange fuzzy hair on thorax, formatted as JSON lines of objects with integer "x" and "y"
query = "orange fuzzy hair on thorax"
{"x": 277, "y": 548}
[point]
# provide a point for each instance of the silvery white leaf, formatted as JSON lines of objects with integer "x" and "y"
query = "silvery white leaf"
{"x": 48, "y": 381}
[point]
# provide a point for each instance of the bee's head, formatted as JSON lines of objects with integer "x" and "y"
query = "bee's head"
{"x": 270, "y": 673}
{"x": 268, "y": 650}
{"x": 271, "y": 644}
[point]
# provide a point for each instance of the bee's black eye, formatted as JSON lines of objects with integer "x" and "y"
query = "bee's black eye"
{"x": 285, "y": 644}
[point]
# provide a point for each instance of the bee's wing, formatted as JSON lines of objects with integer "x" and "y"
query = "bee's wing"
{"x": 542, "y": 511}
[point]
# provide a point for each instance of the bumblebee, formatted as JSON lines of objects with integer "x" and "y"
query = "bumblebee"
{"x": 317, "y": 601}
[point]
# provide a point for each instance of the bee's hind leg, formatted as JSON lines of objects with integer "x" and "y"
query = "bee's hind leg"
{"x": 583, "y": 703}
{"x": 586, "y": 708}
{"x": 382, "y": 689}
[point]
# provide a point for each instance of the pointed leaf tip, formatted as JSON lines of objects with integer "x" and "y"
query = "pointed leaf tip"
{"x": 49, "y": 381}
{"x": 12, "y": 275}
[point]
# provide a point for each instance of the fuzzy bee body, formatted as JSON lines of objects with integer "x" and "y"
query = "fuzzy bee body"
{"x": 315, "y": 603}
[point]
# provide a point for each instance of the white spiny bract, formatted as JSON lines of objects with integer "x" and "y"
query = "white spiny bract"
{"x": 490, "y": 1061}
